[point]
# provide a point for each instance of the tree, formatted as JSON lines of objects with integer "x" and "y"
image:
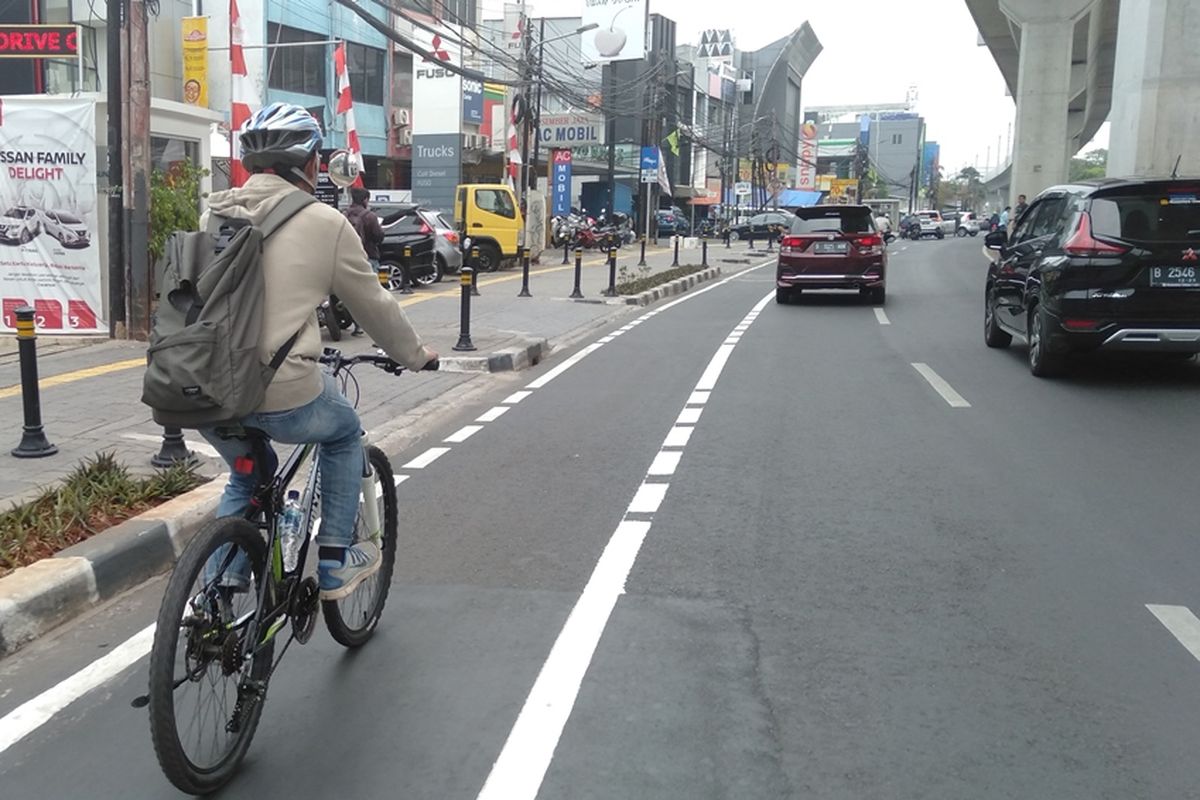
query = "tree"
{"x": 972, "y": 187}
{"x": 1092, "y": 165}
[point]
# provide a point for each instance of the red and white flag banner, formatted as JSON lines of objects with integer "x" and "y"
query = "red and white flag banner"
{"x": 242, "y": 97}
{"x": 345, "y": 107}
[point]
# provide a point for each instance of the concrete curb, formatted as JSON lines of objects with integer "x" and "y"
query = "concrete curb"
{"x": 37, "y": 598}
{"x": 673, "y": 288}
{"x": 508, "y": 360}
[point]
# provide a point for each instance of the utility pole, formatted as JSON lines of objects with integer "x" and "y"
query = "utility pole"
{"x": 116, "y": 220}
{"x": 609, "y": 80}
{"x": 526, "y": 94}
{"x": 136, "y": 119}
{"x": 536, "y": 122}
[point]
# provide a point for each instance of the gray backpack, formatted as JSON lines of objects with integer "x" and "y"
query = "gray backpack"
{"x": 202, "y": 366}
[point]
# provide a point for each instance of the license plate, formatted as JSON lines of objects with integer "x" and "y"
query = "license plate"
{"x": 830, "y": 247}
{"x": 1175, "y": 277}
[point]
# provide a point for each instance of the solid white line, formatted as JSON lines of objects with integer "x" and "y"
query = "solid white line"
{"x": 665, "y": 463}
{"x": 428, "y": 457}
{"x": 689, "y": 416}
{"x": 516, "y": 397}
{"x": 401, "y": 479}
{"x": 947, "y": 392}
{"x": 648, "y": 498}
{"x": 492, "y": 414}
{"x": 698, "y": 398}
{"x": 709, "y": 379}
{"x": 200, "y": 447}
{"x": 563, "y": 367}
{"x": 463, "y": 433}
{"x": 882, "y": 317}
{"x": 521, "y": 767}
{"x": 678, "y": 437}
{"x": 31, "y": 715}
{"x": 1182, "y": 623}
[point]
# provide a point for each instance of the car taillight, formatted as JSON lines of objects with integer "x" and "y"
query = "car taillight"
{"x": 792, "y": 244}
{"x": 425, "y": 228}
{"x": 451, "y": 237}
{"x": 1083, "y": 245}
{"x": 871, "y": 244}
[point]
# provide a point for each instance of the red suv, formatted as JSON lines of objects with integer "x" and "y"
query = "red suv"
{"x": 832, "y": 247}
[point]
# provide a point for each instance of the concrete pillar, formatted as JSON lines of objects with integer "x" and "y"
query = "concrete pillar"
{"x": 1042, "y": 140}
{"x": 1156, "y": 89}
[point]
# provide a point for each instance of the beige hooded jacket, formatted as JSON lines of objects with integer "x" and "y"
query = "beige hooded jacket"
{"x": 315, "y": 254}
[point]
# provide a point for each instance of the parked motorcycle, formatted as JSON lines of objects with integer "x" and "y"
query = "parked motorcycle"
{"x": 335, "y": 317}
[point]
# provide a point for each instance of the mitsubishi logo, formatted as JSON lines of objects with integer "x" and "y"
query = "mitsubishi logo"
{"x": 1190, "y": 255}
{"x": 440, "y": 53}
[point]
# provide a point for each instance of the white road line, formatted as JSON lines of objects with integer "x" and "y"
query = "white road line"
{"x": 563, "y": 367}
{"x": 200, "y": 447}
{"x": 698, "y": 398}
{"x": 882, "y": 317}
{"x": 463, "y": 433}
{"x": 648, "y": 498}
{"x": 679, "y": 436}
{"x": 665, "y": 463}
{"x": 521, "y": 766}
{"x": 607, "y": 339}
{"x": 709, "y": 379}
{"x": 939, "y": 384}
{"x": 516, "y": 397}
{"x": 1182, "y": 624}
{"x": 401, "y": 479}
{"x": 492, "y": 414}
{"x": 31, "y": 715}
{"x": 689, "y": 416}
{"x": 428, "y": 457}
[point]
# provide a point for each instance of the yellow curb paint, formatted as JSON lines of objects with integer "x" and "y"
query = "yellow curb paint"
{"x": 77, "y": 375}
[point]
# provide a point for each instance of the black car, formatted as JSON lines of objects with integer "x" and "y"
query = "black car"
{"x": 1100, "y": 265}
{"x": 671, "y": 223}
{"x": 760, "y": 225}
{"x": 404, "y": 228}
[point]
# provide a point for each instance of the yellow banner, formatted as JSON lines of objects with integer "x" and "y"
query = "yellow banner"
{"x": 844, "y": 189}
{"x": 195, "y": 61}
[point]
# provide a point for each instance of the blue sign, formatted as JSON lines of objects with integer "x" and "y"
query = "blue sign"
{"x": 472, "y": 91}
{"x": 560, "y": 183}
{"x": 649, "y": 165}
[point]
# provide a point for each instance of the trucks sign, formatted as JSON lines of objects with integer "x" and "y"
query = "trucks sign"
{"x": 39, "y": 41}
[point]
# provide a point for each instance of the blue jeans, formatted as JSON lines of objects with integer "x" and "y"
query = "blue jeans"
{"x": 328, "y": 421}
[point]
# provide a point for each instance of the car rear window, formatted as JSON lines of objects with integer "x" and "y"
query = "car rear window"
{"x": 1145, "y": 217}
{"x": 67, "y": 219}
{"x": 845, "y": 220}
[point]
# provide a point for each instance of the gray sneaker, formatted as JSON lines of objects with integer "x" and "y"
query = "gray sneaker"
{"x": 363, "y": 560}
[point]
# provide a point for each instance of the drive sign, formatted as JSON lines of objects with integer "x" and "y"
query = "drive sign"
{"x": 560, "y": 182}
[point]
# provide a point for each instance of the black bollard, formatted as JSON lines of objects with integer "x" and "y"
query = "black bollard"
{"x": 475, "y": 272}
{"x": 751, "y": 239}
{"x": 566, "y": 252}
{"x": 727, "y": 238}
{"x": 464, "y": 328}
{"x": 611, "y": 291}
{"x": 577, "y": 294}
{"x": 33, "y": 438}
{"x": 385, "y": 275}
{"x": 524, "y": 273}
{"x": 675, "y": 263}
{"x": 173, "y": 451}
{"x": 642, "y": 262}
{"x": 704, "y": 252}
{"x": 771, "y": 241}
{"x": 404, "y": 268}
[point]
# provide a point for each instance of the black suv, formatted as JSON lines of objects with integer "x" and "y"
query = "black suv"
{"x": 1111, "y": 264}
{"x": 404, "y": 227}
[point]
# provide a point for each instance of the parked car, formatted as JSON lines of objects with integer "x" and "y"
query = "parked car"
{"x": 1100, "y": 265}
{"x": 19, "y": 224}
{"x": 967, "y": 224}
{"x": 404, "y": 227}
{"x": 69, "y": 229}
{"x": 761, "y": 224}
{"x": 832, "y": 247}
{"x": 933, "y": 224}
{"x": 446, "y": 245}
{"x": 672, "y": 224}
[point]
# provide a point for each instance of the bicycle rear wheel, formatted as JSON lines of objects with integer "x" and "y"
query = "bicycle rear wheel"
{"x": 202, "y": 716}
{"x": 352, "y": 619}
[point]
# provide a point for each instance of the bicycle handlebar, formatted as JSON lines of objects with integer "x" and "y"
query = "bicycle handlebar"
{"x": 334, "y": 358}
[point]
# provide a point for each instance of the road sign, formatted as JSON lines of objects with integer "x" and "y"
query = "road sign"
{"x": 560, "y": 176}
{"x": 649, "y": 165}
{"x": 742, "y": 188}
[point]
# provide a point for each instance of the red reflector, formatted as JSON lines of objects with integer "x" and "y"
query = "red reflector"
{"x": 1080, "y": 324}
{"x": 243, "y": 465}
{"x": 425, "y": 228}
{"x": 1084, "y": 245}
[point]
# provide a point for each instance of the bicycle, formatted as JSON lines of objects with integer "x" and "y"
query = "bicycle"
{"x": 212, "y": 632}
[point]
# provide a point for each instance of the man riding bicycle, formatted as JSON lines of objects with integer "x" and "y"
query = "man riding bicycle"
{"x": 313, "y": 255}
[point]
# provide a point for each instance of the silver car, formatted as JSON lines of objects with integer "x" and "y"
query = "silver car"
{"x": 19, "y": 225}
{"x": 70, "y": 230}
{"x": 446, "y": 250}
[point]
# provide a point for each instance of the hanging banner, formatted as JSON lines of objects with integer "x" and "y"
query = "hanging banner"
{"x": 560, "y": 182}
{"x": 807, "y": 175}
{"x": 472, "y": 106}
{"x": 49, "y": 250}
{"x": 195, "y": 61}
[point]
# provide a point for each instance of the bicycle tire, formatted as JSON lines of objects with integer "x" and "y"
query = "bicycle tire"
{"x": 354, "y": 629}
{"x": 175, "y": 762}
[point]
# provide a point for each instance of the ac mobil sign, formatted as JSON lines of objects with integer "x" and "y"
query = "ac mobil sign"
{"x": 571, "y": 130}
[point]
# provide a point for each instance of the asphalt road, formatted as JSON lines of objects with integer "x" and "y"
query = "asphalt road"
{"x": 864, "y": 579}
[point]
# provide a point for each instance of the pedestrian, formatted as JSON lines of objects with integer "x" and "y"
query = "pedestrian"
{"x": 1019, "y": 211}
{"x": 1004, "y": 217}
{"x": 366, "y": 224}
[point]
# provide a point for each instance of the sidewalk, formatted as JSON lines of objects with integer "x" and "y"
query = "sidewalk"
{"x": 90, "y": 390}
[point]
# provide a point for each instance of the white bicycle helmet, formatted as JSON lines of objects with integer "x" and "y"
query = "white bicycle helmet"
{"x": 281, "y": 136}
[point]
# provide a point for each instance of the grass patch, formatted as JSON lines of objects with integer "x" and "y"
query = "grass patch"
{"x": 98, "y": 494}
{"x": 641, "y": 281}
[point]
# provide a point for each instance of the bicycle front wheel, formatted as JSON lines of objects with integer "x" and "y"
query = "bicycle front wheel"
{"x": 206, "y": 694}
{"x": 352, "y": 619}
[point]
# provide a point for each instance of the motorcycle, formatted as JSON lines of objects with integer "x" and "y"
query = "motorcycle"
{"x": 333, "y": 315}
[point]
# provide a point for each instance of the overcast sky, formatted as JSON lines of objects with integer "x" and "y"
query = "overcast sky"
{"x": 873, "y": 51}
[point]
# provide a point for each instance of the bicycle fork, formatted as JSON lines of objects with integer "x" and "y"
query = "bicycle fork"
{"x": 370, "y": 498}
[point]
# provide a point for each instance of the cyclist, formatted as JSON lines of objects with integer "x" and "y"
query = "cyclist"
{"x": 316, "y": 254}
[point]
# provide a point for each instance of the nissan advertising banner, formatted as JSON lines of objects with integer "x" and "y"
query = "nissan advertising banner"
{"x": 49, "y": 246}
{"x": 435, "y": 170}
